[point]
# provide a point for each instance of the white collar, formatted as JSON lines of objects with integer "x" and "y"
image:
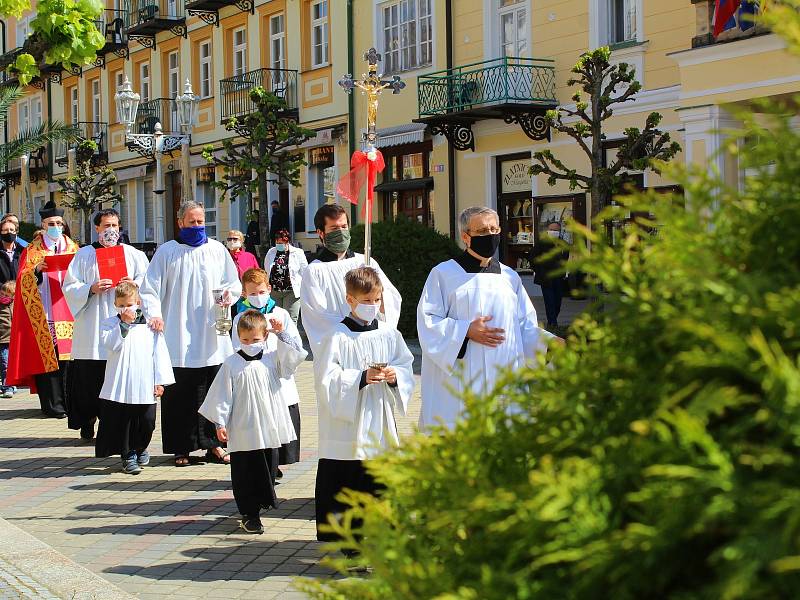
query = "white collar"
{"x": 53, "y": 245}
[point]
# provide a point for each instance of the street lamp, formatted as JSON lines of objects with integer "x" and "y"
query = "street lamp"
{"x": 157, "y": 144}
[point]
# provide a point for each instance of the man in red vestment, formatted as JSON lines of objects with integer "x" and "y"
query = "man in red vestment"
{"x": 41, "y": 326}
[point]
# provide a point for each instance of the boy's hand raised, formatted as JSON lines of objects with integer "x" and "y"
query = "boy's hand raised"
{"x": 276, "y": 326}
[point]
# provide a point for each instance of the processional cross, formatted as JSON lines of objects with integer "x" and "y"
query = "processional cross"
{"x": 372, "y": 85}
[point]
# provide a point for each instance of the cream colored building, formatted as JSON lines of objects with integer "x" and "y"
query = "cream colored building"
{"x": 479, "y": 74}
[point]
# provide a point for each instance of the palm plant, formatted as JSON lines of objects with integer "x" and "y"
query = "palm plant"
{"x": 33, "y": 138}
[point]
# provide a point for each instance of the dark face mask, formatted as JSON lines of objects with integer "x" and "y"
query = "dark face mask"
{"x": 485, "y": 245}
{"x": 8, "y": 237}
{"x": 337, "y": 241}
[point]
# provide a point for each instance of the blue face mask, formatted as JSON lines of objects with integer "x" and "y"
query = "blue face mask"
{"x": 54, "y": 232}
{"x": 193, "y": 236}
{"x": 280, "y": 247}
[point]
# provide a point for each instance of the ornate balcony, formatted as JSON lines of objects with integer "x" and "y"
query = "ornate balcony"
{"x": 10, "y": 79}
{"x": 85, "y": 130}
{"x": 145, "y": 18}
{"x": 112, "y": 25}
{"x": 208, "y": 10}
{"x": 11, "y": 172}
{"x": 235, "y": 91}
{"x": 516, "y": 90}
{"x": 157, "y": 110}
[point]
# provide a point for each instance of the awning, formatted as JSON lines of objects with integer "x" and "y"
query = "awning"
{"x": 405, "y": 184}
{"x": 410, "y": 133}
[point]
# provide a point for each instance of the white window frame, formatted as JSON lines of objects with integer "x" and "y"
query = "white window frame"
{"x": 24, "y": 28}
{"x": 277, "y": 46}
{"x": 207, "y": 194}
{"x": 399, "y": 59}
{"x": 123, "y": 207}
{"x": 600, "y": 20}
{"x": 29, "y": 112}
{"x": 492, "y": 38}
{"x": 204, "y": 71}
{"x": 119, "y": 78}
{"x": 74, "y": 105}
{"x": 320, "y": 34}
{"x": 239, "y": 51}
{"x": 144, "y": 81}
{"x": 514, "y": 10}
{"x": 148, "y": 199}
{"x": 97, "y": 100}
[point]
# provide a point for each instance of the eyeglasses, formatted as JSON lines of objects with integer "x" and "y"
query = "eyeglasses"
{"x": 484, "y": 231}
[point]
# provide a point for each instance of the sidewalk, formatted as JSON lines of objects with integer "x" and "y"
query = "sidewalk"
{"x": 168, "y": 532}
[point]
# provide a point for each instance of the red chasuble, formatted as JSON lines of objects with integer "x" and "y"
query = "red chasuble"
{"x": 32, "y": 350}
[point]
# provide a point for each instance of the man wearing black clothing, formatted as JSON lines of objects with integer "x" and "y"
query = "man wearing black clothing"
{"x": 548, "y": 272}
{"x": 252, "y": 237}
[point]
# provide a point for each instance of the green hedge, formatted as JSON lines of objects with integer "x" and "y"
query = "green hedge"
{"x": 660, "y": 456}
{"x": 406, "y": 251}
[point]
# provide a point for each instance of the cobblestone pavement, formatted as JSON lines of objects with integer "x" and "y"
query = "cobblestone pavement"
{"x": 168, "y": 532}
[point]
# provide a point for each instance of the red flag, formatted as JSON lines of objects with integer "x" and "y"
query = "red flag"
{"x": 723, "y": 12}
{"x": 363, "y": 170}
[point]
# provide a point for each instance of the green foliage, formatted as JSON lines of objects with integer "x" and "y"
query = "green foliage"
{"x": 406, "y": 251}
{"x": 659, "y": 457}
{"x": 606, "y": 85}
{"x": 27, "y": 230}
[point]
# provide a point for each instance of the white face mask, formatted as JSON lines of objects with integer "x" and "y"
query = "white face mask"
{"x": 234, "y": 245}
{"x": 253, "y": 349}
{"x": 131, "y": 308}
{"x": 367, "y": 312}
{"x": 553, "y": 233}
{"x": 258, "y": 300}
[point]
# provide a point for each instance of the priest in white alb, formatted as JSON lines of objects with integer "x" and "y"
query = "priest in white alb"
{"x": 91, "y": 300}
{"x": 178, "y": 297}
{"x": 474, "y": 319}
{"x": 323, "y": 300}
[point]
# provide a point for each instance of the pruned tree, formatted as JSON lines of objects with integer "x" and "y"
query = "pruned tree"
{"x": 270, "y": 138}
{"x": 602, "y": 86}
{"x": 89, "y": 187}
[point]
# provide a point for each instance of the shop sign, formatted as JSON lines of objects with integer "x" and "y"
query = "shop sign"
{"x": 321, "y": 157}
{"x": 514, "y": 176}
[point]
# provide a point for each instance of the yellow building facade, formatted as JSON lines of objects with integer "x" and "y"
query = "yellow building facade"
{"x": 479, "y": 75}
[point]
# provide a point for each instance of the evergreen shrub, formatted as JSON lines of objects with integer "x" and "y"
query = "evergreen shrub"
{"x": 406, "y": 251}
{"x": 659, "y": 457}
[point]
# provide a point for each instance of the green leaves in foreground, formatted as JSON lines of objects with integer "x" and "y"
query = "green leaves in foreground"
{"x": 660, "y": 457}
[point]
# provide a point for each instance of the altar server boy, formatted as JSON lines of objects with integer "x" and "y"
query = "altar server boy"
{"x": 250, "y": 413}
{"x": 256, "y": 295}
{"x": 137, "y": 370}
{"x": 367, "y": 376}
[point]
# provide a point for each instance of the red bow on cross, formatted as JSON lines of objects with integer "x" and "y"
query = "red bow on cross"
{"x": 363, "y": 169}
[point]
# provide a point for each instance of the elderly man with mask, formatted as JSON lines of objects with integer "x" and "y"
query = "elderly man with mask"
{"x": 474, "y": 319}
{"x": 178, "y": 298}
{"x": 91, "y": 300}
{"x": 41, "y": 330}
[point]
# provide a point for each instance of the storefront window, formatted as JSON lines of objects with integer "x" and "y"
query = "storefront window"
{"x": 412, "y": 166}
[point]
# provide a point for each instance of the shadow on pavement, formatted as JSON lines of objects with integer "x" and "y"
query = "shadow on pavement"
{"x": 247, "y": 562}
{"x": 48, "y": 467}
{"x": 9, "y": 414}
{"x": 156, "y": 485}
{"x": 196, "y": 507}
{"x": 40, "y": 442}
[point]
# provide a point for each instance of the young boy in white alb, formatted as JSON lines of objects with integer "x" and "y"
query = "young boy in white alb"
{"x": 137, "y": 370}
{"x": 365, "y": 377}
{"x": 251, "y": 415}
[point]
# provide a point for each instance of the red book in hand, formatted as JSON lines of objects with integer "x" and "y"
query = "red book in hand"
{"x": 58, "y": 262}
{"x": 111, "y": 263}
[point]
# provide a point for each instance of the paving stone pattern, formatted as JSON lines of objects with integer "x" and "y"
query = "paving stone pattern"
{"x": 168, "y": 532}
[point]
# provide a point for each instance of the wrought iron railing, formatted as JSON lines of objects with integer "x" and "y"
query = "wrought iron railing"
{"x": 235, "y": 91}
{"x": 110, "y": 24}
{"x": 139, "y": 12}
{"x": 96, "y": 131}
{"x": 37, "y": 162}
{"x": 499, "y": 81}
{"x": 157, "y": 110}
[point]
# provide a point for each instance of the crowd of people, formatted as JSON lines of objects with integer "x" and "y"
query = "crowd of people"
{"x": 102, "y": 336}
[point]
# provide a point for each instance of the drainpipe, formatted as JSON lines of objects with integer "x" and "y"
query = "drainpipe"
{"x": 5, "y": 125}
{"x": 50, "y": 144}
{"x": 351, "y": 101}
{"x": 451, "y": 152}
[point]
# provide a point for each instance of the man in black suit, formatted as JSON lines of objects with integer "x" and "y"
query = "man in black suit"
{"x": 9, "y": 257}
{"x": 252, "y": 237}
{"x": 548, "y": 272}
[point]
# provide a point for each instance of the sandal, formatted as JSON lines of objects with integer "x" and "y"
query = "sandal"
{"x": 213, "y": 457}
{"x": 181, "y": 461}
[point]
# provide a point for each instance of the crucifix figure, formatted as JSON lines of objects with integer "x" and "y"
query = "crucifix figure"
{"x": 372, "y": 85}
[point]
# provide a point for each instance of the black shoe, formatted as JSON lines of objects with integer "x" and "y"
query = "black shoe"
{"x": 252, "y": 525}
{"x": 279, "y": 474}
{"x": 52, "y": 415}
{"x": 87, "y": 432}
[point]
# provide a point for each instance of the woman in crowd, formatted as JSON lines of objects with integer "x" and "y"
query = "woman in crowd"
{"x": 285, "y": 264}
{"x": 243, "y": 259}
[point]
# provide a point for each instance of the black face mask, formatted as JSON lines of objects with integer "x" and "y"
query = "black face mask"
{"x": 485, "y": 245}
{"x": 8, "y": 237}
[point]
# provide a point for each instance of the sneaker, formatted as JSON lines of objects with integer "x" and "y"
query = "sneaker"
{"x": 143, "y": 458}
{"x": 8, "y": 394}
{"x": 252, "y": 525}
{"x": 130, "y": 466}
